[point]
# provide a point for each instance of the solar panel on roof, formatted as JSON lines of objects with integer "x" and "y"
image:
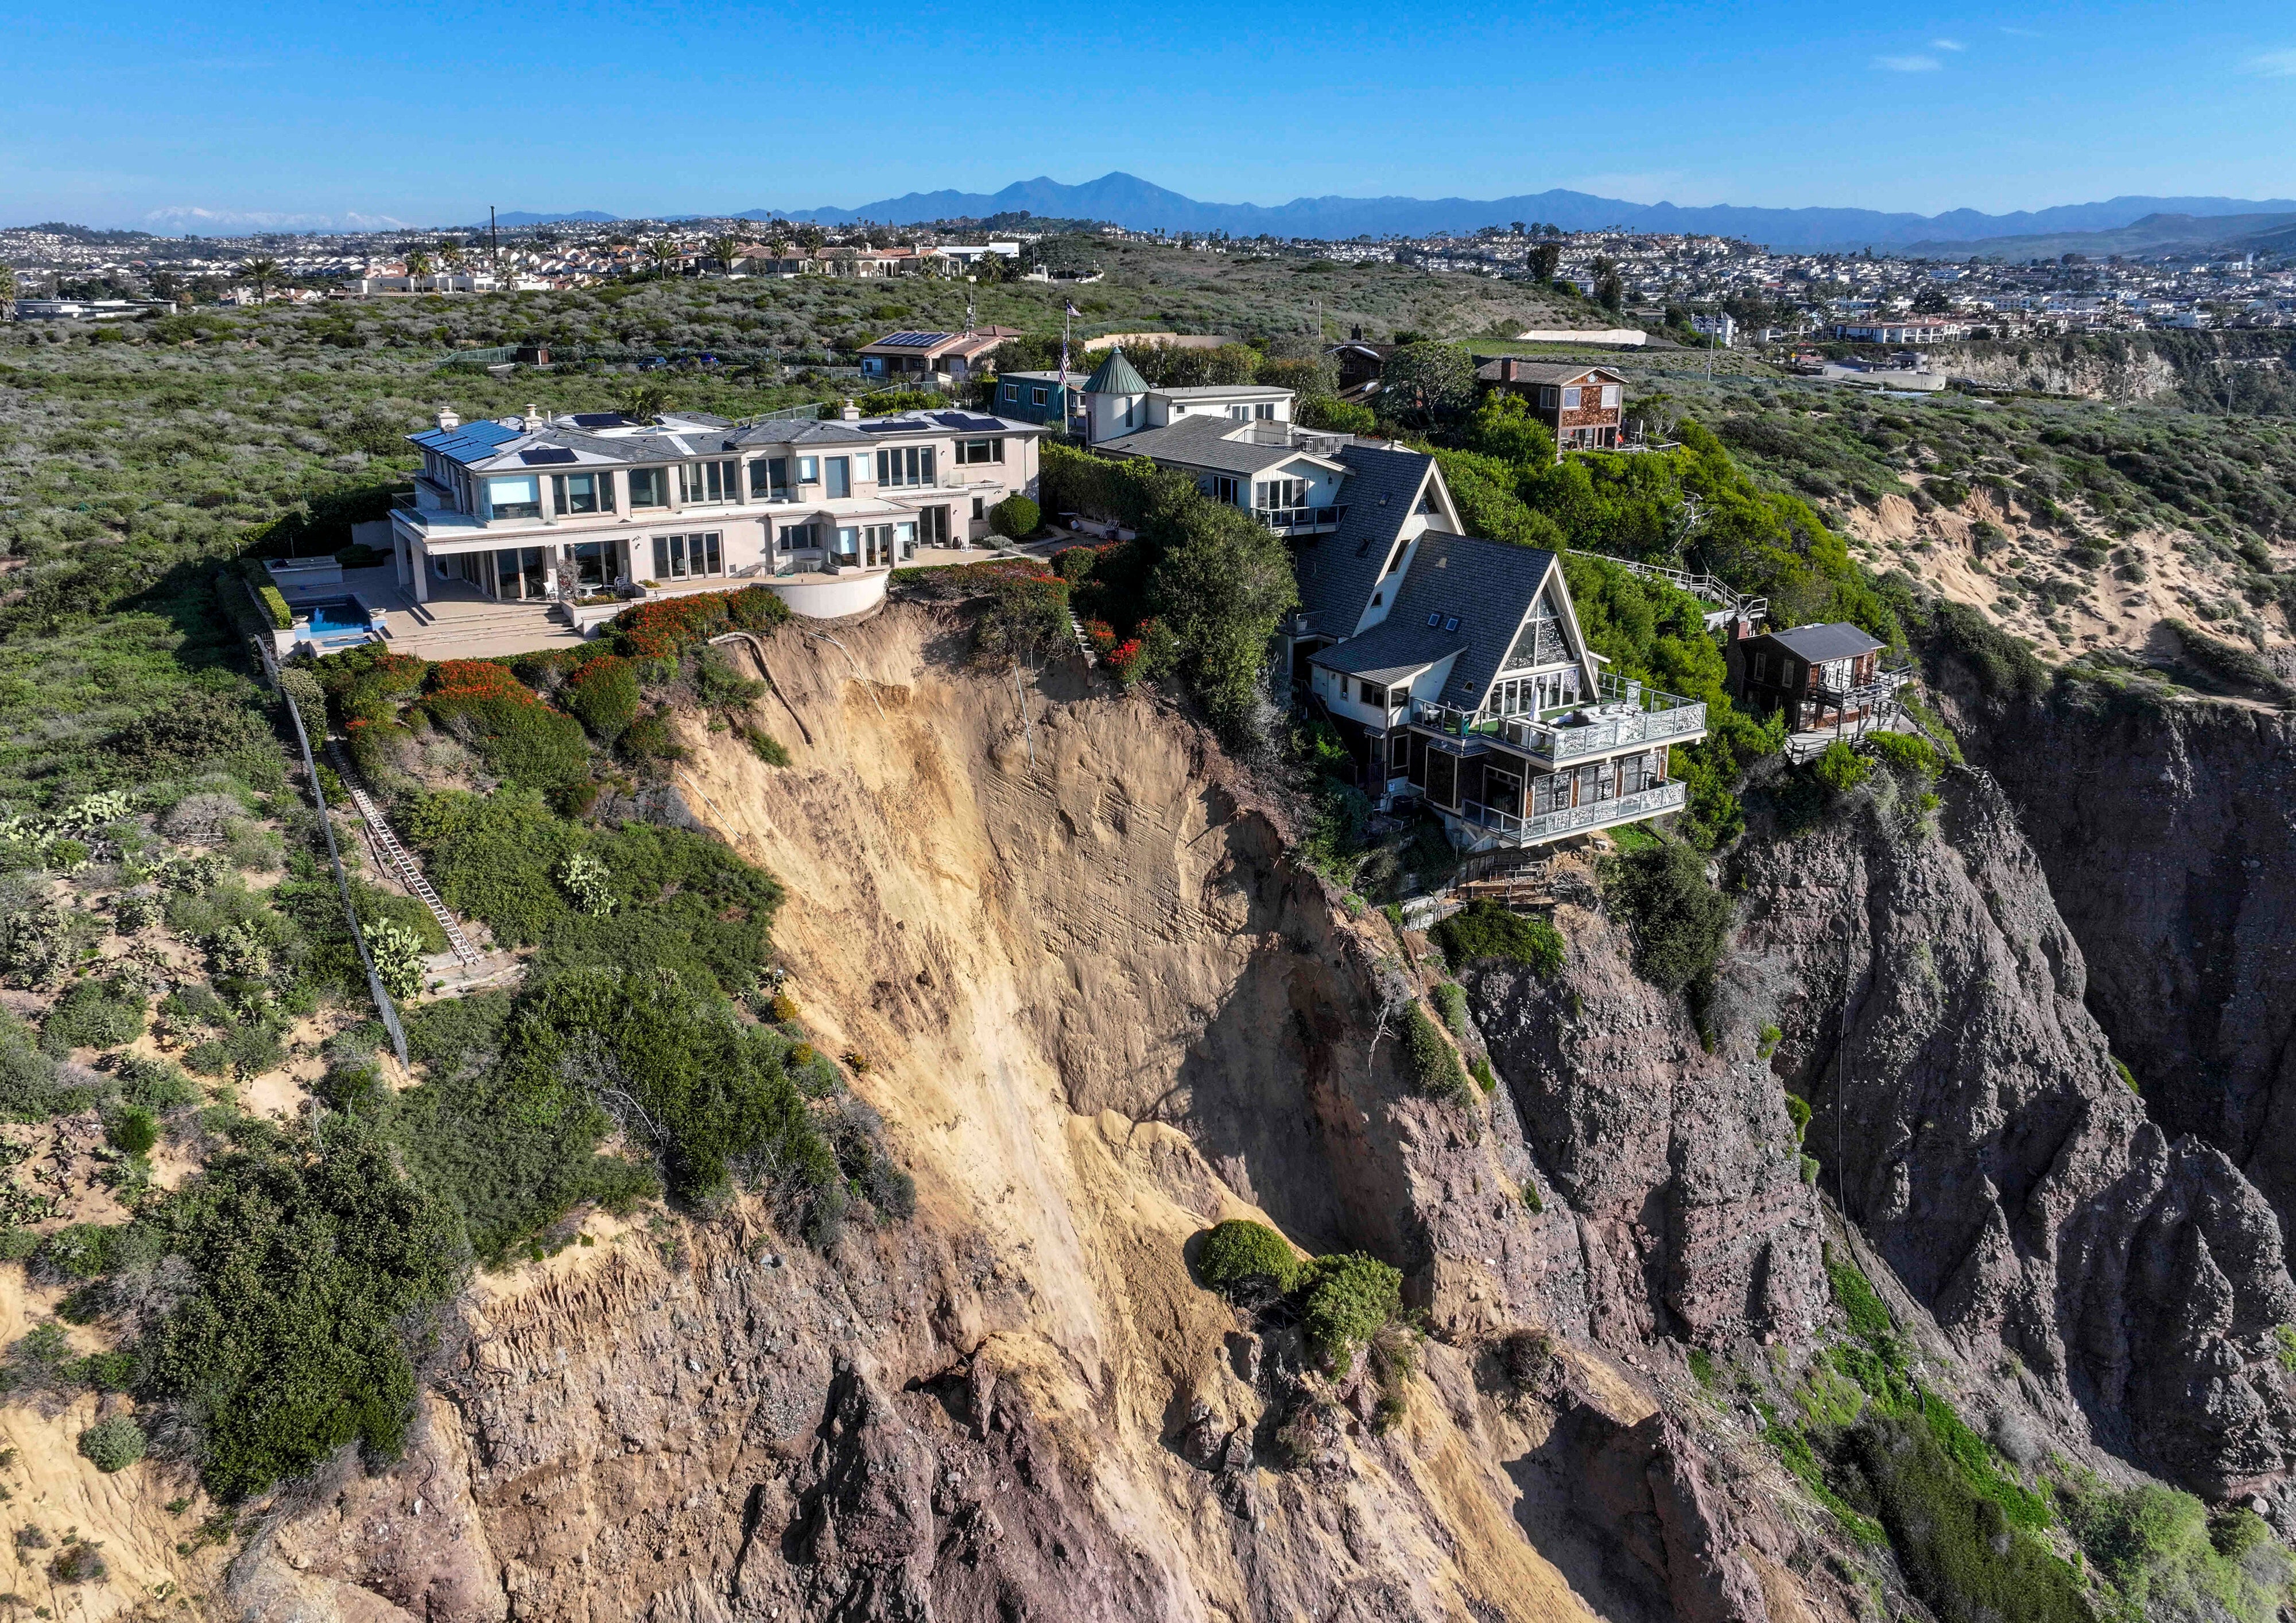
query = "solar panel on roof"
{"x": 915, "y": 341}
{"x": 545, "y": 455}
{"x": 596, "y": 420}
{"x": 469, "y": 443}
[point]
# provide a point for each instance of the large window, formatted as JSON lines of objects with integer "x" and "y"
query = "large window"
{"x": 1569, "y": 399}
{"x": 969, "y": 452}
{"x": 1275, "y": 494}
{"x": 840, "y": 481}
{"x": 769, "y": 477}
{"x": 899, "y": 466}
{"x": 709, "y": 481}
{"x": 517, "y": 498}
{"x": 809, "y": 470}
{"x": 800, "y": 538}
{"x": 1265, "y": 411}
{"x": 688, "y": 557}
{"x": 649, "y": 488}
{"x": 574, "y": 492}
{"x": 1609, "y": 397}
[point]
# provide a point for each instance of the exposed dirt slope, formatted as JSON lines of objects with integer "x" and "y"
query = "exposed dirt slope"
{"x": 1098, "y": 1012}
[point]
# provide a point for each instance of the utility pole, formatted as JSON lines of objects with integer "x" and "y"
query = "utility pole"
{"x": 494, "y": 247}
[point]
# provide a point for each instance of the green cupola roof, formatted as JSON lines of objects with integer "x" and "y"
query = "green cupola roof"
{"x": 1116, "y": 376}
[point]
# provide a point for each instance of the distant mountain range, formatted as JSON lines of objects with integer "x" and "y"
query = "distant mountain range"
{"x": 2156, "y": 234}
{"x": 2133, "y": 223}
{"x": 1127, "y": 200}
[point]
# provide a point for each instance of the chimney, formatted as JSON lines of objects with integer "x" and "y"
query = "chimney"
{"x": 1356, "y": 333}
{"x": 850, "y": 414}
{"x": 534, "y": 418}
{"x": 448, "y": 419}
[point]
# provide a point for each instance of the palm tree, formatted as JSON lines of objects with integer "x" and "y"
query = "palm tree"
{"x": 450, "y": 255}
{"x": 418, "y": 264}
{"x": 664, "y": 254}
{"x": 725, "y": 250}
{"x": 644, "y": 401}
{"x": 264, "y": 274}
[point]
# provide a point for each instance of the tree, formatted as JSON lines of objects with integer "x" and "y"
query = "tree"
{"x": 418, "y": 265}
{"x": 664, "y": 253}
{"x": 1428, "y": 383}
{"x": 7, "y": 283}
{"x": 725, "y": 250}
{"x": 1609, "y": 287}
{"x": 263, "y": 273}
{"x": 1545, "y": 259}
{"x": 644, "y": 401}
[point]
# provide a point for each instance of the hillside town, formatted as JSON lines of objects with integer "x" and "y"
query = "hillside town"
{"x": 1728, "y": 293}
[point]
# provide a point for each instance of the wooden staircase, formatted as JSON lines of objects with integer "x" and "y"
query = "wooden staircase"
{"x": 400, "y": 860}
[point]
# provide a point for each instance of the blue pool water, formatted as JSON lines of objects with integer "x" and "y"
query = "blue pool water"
{"x": 337, "y": 614}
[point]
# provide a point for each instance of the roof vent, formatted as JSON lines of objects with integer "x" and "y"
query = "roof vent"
{"x": 448, "y": 419}
{"x": 534, "y": 418}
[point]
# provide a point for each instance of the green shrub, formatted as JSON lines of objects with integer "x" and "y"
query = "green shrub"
{"x": 112, "y": 1445}
{"x": 1480, "y": 1068}
{"x": 1343, "y": 1302}
{"x": 30, "y": 1087}
{"x": 1701, "y": 1367}
{"x": 94, "y": 1013}
{"x": 133, "y": 1131}
{"x": 1434, "y": 1063}
{"x": 275, "y": 606}
{"x": 2156, "y": 1548}
{"x": 1798, "y": 1112}
{"x": 603, "y": 696}
{"x": 1451, "y": 1002}
{"x": 1014, "y": 517}
{"x": 311, "y": 1262}
{"x": 1960, "y": 1553}
{"x": 1239, "y": 1253}
{"x": 1679, "y": 920}
{"x": 1859, "y": 1303}
{"x": 1840, "y": 768}
{"x": 719, "y": 684}
{"x": 1485, "y": 929}
{"x": 1908, "y": 752}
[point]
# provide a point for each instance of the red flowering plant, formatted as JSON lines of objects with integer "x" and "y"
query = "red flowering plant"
{"x": 670, "y": 626}
{"x": 1150, "y": 651}
{"x": 1101, "y": 635}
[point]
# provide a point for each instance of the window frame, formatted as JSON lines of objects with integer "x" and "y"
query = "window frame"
{"x": 656, "y": 487}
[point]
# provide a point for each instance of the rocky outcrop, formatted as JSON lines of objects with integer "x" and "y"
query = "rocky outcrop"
{"x": 1990, "y": 1151}
{"x": 2168, "y": 831}
{"x": 1679, "y": 1167}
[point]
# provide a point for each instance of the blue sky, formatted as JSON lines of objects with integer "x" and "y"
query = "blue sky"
{"x": 129, "y": 115}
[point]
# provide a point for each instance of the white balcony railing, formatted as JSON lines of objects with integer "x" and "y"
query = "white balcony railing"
{"x": 1653, "y": 802}
{"x": 1629, "y": 714}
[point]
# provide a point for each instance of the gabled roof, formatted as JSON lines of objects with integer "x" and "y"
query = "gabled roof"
{"x": 1488, "y": 586}
{"x": 1337, "y": 572}
{"x": 1116, "y": 376}
{"x": 1817, "y": 643}
{"x": 1514, "y": 369}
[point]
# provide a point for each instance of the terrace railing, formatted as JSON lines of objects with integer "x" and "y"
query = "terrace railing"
{"x": 1627, "y": 714}
{"x": 1707, "y": 588}
{"x": 1653, "y": 802}
{"x": 1297, "y": 520}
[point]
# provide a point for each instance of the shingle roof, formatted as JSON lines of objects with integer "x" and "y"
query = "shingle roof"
{"x": 1391, "y": 650}
{"x": 1336, "y": 572}
{"x": 1204, "y": 442}
{"x": 1223, "y": 391}
{"x": 1538, "y": 372}
{"x": 1488, "y": 585}
{"x": 1836, "y": 640}
{"x": 1116, "y": 376}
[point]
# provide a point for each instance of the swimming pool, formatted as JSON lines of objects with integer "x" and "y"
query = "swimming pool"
{"x": 332, "y": 616}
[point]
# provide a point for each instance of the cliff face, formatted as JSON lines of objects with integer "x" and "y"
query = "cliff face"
{"x": 2169, "y": 834}
{"x": 1990, "y": 1151}
{"x": 1099, "y": 1012}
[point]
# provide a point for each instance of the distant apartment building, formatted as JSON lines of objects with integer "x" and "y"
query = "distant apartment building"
{"x": 1911, "y": 331}
{"x": 1719, "y": 327}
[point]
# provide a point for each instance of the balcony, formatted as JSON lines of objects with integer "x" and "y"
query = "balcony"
{"x": 1628, "y": 715}
{"x": 1299, "y": 521}
{"x": 1512, "y": 830}
{"x": 1883, "y": 683}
